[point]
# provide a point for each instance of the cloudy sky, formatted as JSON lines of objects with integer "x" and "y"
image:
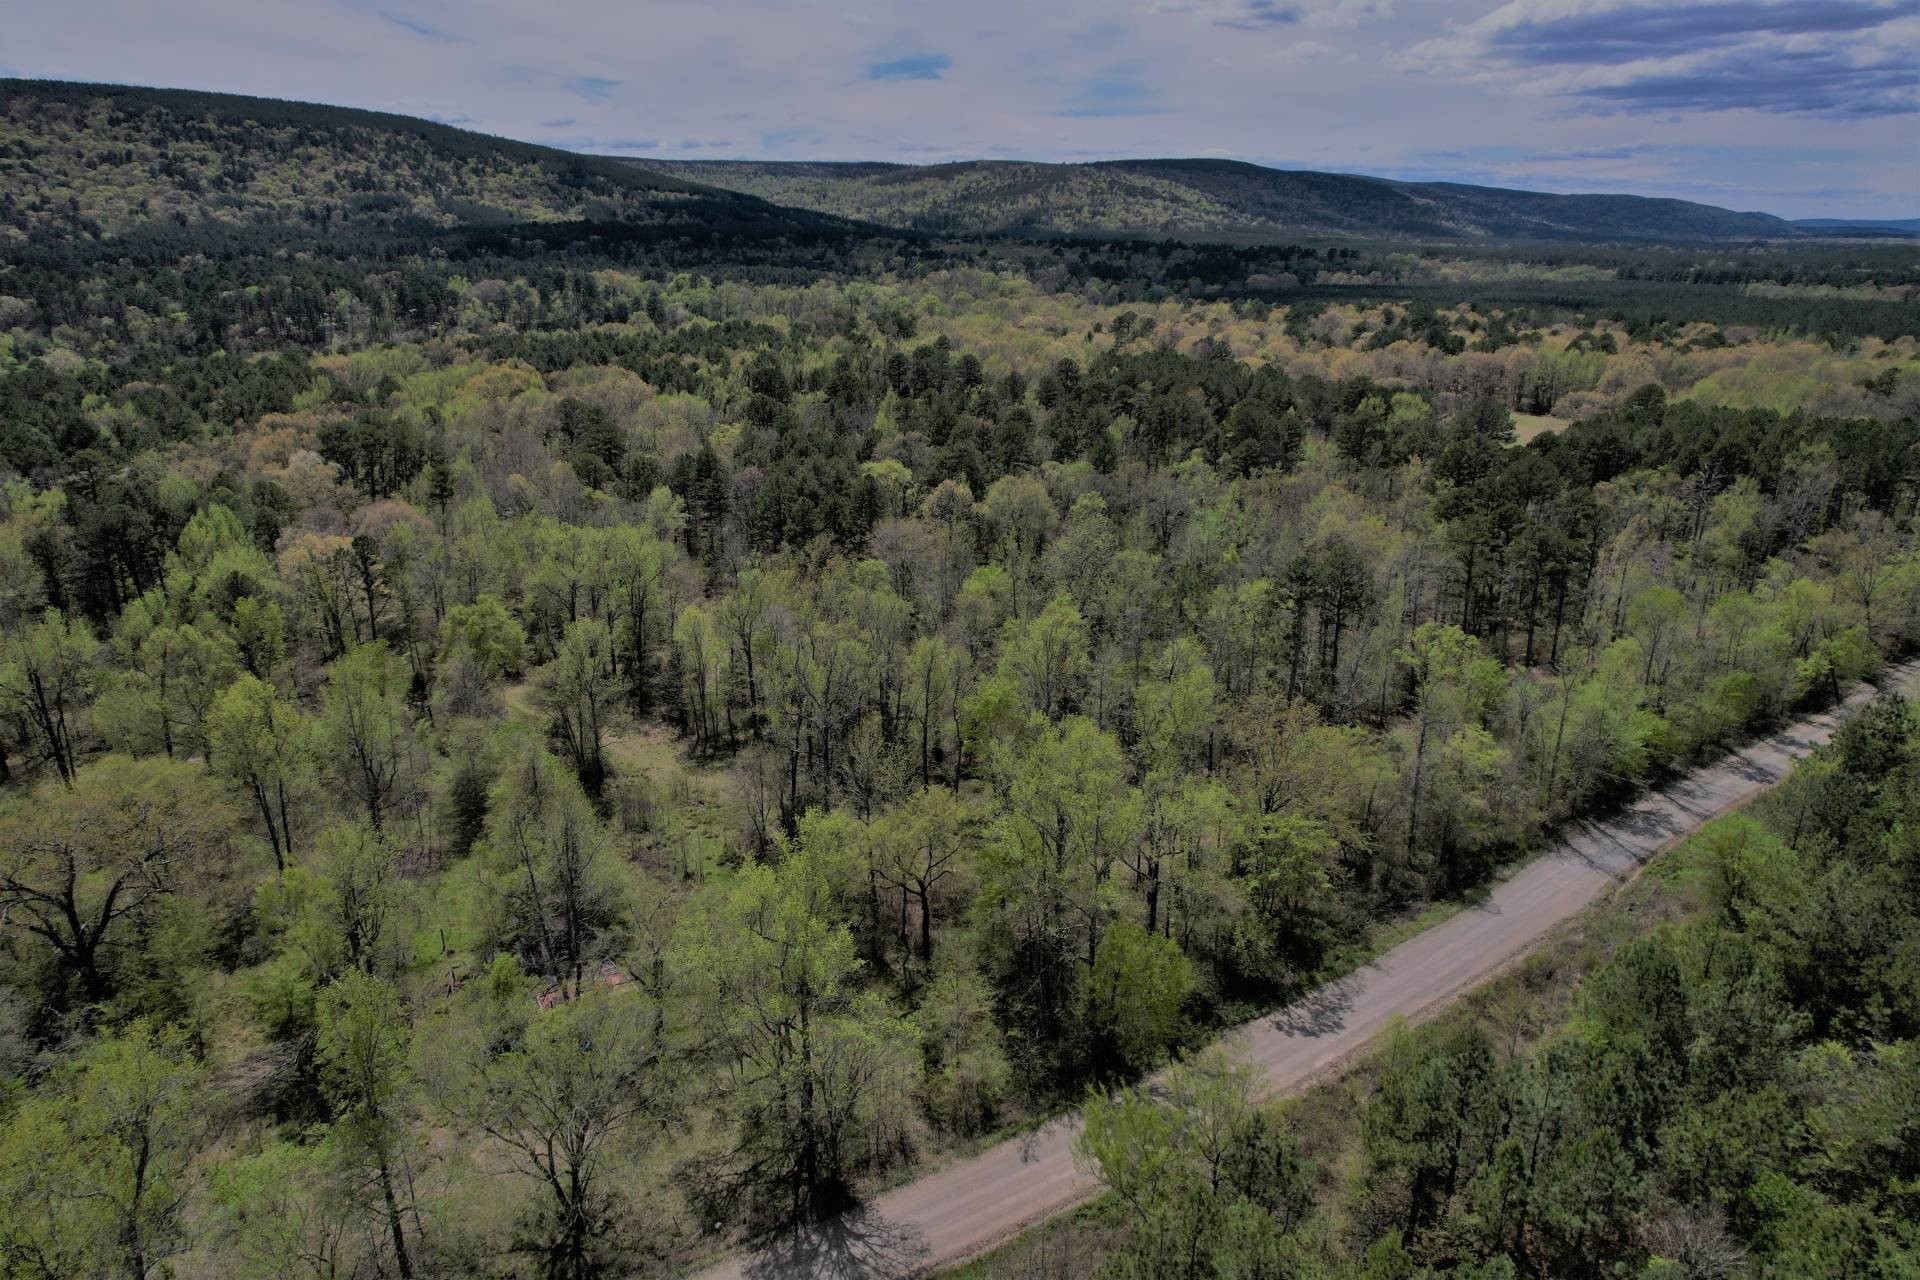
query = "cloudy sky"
{"x": 1796, "y": 107}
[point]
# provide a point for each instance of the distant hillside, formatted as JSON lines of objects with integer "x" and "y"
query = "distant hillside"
{"x": 1906, "y": 226}
{"x": 1210, "y": 198}
{"x": 100, "y": 160}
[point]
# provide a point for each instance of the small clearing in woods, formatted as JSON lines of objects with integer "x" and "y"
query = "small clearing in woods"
{"x": 685, "y": 806}
{"x": 1528, "y": 425}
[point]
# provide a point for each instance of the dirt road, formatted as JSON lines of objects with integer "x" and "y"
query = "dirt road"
{"x": 957, "y": 1212}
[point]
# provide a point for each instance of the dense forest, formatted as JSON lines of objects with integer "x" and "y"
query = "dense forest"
{"x": 1730, "y": 1091}
{"x": 95, "y": 160}
{"x": 547, "y": 741}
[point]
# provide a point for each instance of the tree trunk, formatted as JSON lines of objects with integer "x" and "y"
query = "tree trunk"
{"x": 393, "y": 1220}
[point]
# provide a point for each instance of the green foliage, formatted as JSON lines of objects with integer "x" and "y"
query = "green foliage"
{"x": 1213, "y": 1185}
{"x": 576, "y": 690}
{"x": 1711, "y": 1102}
{"x": 968, "y": 1078}
{"x": 361, "y": 1050}
{"x": 1135, "y": 992}
{"x": 776, "y": 978}
{"x": 47, "y": 681}
{"x": 84, "y": 865}
{"x": 364, "y": 732}
{"x": 263, "y": 743}
{"x": 1702, "y": 1111}
{"x": 486, "y": 634}
{"x": 555, "y": 891}
{"x": 95, "y": 1170}
{"x": 738, "y": 703}
{"x": 563, "y": 1095}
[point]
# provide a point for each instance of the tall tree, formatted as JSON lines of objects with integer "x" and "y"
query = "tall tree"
{"x": 817, "y": 1065}
{"x": 47, "y": 675}
{"x": 365, "y": 730}
{"x": 261, "y": 742}
{"x": 80, "y": 863}
{"x": 1210, "y": 1184}
{"x": 94, "y": 1169}
{"x": 1069, "y": 813}
{"x": 559, "y": 894}
{"x": 577, "y": 690}
{"x": 923, "y": 844}
{"x": 362, "y": 1051}
{"x": 561, "y": 1099}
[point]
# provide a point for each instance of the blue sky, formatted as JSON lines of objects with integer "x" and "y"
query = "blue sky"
{"x": 1797, "y": 107}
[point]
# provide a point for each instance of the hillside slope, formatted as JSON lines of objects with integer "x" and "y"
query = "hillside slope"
{"x": 1210, "y": 198}
{"x": 101, "y": 160}
{"x": 1895, "y": 226}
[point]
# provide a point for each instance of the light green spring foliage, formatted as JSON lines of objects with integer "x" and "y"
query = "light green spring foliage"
{"x": 572, "y": 1097}
{"x": 1212, "y": 1185}
{"x": 569, "y": 782}
{"x": 819, "y": 1061}
{"x": 553, "y": 889}
{"x": 264, "y": 743}
{"x": 365, "y": 731}
{"x": 48, "y": 680}
{"x": 486, "y": 634}
{"x": 1733, "y": 1088}
{"x": 1136, "y": 991}
{"x": 94, "y": 1169}
{"x": 362, "y": 1047}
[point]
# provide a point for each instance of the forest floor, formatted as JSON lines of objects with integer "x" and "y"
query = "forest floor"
{"x": 691, "y": 818}
{"x": 956, "y": 1213}
{"x": 1528, "y": 425}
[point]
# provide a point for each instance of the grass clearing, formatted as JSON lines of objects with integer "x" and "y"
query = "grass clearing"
{"x": 692, "y": 820}
{"x": 1526, "y": 426}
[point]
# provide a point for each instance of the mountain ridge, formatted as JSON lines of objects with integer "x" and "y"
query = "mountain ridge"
{"x": 1895, "y": 226}
{"x": 1208, "y": 198}
{"x": 96, "y": 160}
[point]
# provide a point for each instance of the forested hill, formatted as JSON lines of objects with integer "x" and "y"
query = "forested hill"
{"x": 1211, "y": 198}
{"x": 1859, "y": 226}
{"x": 101, "y": 160}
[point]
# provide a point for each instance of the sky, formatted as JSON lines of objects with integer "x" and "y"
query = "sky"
{"x": 1802, "y": 108}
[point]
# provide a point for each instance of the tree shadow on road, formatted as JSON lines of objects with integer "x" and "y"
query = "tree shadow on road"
{"x": 1605, "y": 846}
{"x": 857, "y": 1245}
{"x": 1747, "y": 769}
{"x": 1320, "y": 1013}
